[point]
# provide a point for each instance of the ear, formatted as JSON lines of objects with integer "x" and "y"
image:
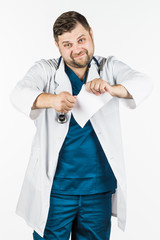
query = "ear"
{"x": 91, "y": 32}
{"x": 56, "y": 44}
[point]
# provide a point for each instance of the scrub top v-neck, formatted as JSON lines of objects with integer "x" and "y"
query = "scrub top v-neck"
{"x": 82, "y": 166}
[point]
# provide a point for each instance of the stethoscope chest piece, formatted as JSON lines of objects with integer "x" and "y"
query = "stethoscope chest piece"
{"x": 62, "y": 117}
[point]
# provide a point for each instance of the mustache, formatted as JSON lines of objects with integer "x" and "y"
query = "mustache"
{"x": 75, "y": 55}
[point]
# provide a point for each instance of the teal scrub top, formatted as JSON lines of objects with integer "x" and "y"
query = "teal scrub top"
{"x": 82, "y": 166}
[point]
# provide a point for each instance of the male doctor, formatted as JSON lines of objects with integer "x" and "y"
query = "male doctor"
{"x": 75, "y": 179}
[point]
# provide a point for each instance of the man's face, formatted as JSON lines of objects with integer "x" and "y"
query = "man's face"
{"x": 76, "y": 47}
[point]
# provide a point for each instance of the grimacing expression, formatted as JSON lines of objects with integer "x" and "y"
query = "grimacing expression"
{"x": 76, "y": 47}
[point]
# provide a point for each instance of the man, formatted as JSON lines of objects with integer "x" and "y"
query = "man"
{"x": 75, "y": 179}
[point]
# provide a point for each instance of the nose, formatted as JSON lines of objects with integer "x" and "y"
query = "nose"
{"x": 76, "y": 49}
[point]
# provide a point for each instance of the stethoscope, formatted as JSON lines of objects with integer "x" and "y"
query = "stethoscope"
{"x": 62, "y": 117}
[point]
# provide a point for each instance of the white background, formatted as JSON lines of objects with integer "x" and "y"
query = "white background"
{"x": 126, "y": 29}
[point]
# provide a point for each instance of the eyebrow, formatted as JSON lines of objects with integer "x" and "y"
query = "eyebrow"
{"x": 81, "y": 36}
{"x": 77, "y": 38}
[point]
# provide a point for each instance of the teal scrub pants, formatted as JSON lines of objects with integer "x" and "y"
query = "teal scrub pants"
{"x": 85, "y": 217}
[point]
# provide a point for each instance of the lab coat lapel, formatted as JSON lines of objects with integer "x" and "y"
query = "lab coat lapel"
{"x": 61, "y": 80}
{"x": 92, "y": 72}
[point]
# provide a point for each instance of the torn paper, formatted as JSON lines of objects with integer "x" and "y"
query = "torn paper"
{"x": 88, "y": 104}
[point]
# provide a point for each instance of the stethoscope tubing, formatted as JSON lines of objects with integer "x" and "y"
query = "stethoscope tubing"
{"x": 62, "y": 117}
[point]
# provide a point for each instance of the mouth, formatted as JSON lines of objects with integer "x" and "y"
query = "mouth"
{"x": 80, "y": 55}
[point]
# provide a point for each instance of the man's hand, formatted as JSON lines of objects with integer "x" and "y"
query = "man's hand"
{"x": 99, "y": 86}
{"x": 64, "y": 102}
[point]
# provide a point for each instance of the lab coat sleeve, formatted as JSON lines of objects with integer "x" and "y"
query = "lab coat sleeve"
{"x": 139, "y": 85}
{"x": 29, "y": 88}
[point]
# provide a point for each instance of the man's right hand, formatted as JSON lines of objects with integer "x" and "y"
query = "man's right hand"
{"x": 63, "y": 102}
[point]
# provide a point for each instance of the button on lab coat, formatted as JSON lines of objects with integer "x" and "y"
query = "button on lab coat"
{"x": 43, "y": 76}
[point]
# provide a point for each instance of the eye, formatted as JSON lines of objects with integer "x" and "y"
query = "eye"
{"x": 67, "y": 45}
{"x": 81, "y": 40}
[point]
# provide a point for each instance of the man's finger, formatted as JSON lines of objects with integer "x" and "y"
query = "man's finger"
{"x": 69, "y": 105}
{"x": 88, "y": 86}
{"x": 71, "y": 99}
{"x": 97, "y": 87}
{"x": 102, "y": 88}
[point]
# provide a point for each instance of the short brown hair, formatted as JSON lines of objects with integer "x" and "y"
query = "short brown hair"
{"x": 67, "y": 21}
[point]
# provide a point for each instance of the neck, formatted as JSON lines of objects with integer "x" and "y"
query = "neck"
{"x": 80, "y": 72}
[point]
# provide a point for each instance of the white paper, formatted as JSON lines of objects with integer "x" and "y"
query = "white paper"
{"x": 88, "y": 104}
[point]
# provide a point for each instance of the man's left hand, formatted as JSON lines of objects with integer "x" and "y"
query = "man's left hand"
{"x": 99, "y": 86}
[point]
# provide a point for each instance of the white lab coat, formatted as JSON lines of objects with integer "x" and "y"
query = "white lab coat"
{"x": 34, "y": 199}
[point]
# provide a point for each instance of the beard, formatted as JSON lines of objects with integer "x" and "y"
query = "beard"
{"x": 81, "y": 62}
